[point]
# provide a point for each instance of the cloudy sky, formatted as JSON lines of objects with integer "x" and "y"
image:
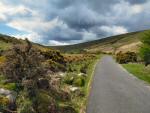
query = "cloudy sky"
{"x": 59, "y": 22}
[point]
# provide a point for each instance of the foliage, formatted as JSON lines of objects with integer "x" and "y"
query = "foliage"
{"x": 84, "y": 69}
{"x": 26, "y": 107}
{"x": 45, "y": 104}
{"x": 53, "y": 55}
{"x": 79, "y": 81}
{"x": 54, "y": 66}
{"x": 3, "y": 101}
{"x": 69, "y": 79}
{"x": 2, "y": 60}
{"x": 126, "y": 57}
{"x": 145, "y": 49}
{"x": 74, "y": 80}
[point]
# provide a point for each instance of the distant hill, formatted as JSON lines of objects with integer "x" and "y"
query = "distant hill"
{"x": 124, "y": 42}
{"x": 7, "y": 42}
{"x": 113, "y": 44}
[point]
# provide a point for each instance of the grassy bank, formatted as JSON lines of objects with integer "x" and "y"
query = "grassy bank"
{"x": 87, "y": 87}
{"x": 139, "y": 70}
{"x": 79, "y": 76}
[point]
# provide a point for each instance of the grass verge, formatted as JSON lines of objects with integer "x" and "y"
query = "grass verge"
{"x": 139, "y": 70}
{"x": 79, "y": 75}
{"x": 89, "y": 81}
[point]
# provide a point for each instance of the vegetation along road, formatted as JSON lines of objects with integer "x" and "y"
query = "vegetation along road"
{"x": 116, "y": 91}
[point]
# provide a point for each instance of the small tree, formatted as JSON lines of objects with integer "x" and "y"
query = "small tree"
{"x": 145, "y": 48}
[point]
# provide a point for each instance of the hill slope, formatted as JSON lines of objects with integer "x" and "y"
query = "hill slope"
{"x": 124, "y": 42}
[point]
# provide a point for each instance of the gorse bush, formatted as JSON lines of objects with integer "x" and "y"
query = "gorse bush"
{"x": 126, "y": 57}
{"x": 22, "y": 62}
{"x": 55, "y": 56}
{"x": 54, "y": 66}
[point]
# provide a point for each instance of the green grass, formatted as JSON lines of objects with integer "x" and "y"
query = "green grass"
{"x": 9, "y": 86}
{"x": 139, "y": 70}
{"x": 4, "y": 46}
{"x": 79, "y": 103}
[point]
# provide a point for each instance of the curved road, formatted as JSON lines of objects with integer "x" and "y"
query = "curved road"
{"x": 116, "y": 91}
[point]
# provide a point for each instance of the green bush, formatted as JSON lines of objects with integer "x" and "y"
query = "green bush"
{"x": 127, "y": 57}
{"x": 69, "y": 79}
{"x": 79, "y": 82}
{"x": 26, "y": 107}
{"x": 45, "y": 103}
{"x": 74, "y": 80}
{"x": 84, "y": 69}
{"x": 145, "y": 48}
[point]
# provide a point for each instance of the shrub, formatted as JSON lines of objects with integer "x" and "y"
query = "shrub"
{"x": 69, "y": 79}
{"x": 54, "y": 55}
{"x": 45, "y": 103}
{"x": 22, "y": 62}
{"x": 126, "y": 57}
{"x": 26, "y": 107}
{"x": 145, "y": 49}
{"x": 79, "y": 81}
{"x": 54, "y": 66}
{"x": 84, "y": 69}
{"x": 3, "y": 101}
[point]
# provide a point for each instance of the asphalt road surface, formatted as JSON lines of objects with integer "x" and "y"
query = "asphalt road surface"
{"x": 114, "y": 90}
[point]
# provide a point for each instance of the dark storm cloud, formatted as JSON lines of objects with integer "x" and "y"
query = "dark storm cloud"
{"x": 137, "y": 1}
{"x": 60, "y": 34}
{"x": 79, "y": 20}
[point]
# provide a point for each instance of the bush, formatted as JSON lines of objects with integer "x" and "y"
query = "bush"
{"x": 3, "y": 101}
{"x": 54, "y": 56}
{"x": 22, "y": 62}
{"x": 45, "y": 104}
{"x": 69, "y": 79}
{"x": 54, "y": 66}
{"x": 79, "y": 82}
{"x": 26, "y": 107}
{"x": 145, "y": 49}
{"x": 127, "y": 57}
{"x": 84, "y": 69}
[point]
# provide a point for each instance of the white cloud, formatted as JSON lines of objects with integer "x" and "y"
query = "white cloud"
{"x": 123, "y": 11}
{"x": 34, "y": 24}
{"x": 87, "y": 36}
{"x": 136, "y": 9}
{"x": 54, "y": 43}
{"x": 31, "y": 36}
{"x": 8, "y": 10}
{"x": 114, "y": 30}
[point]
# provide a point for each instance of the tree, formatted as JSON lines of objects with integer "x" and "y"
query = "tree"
{"x": 145, "y": 49}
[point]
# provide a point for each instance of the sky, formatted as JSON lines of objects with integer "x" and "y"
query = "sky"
{"x": 63, "y": 22}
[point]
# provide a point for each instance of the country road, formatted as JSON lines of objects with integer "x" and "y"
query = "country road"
{"x": 116, "y": 91}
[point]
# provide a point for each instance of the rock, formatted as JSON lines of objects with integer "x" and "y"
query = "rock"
{"x": 62, "y": 74}
{"x": 43, "y": 83}
{"x": 11, "y": 96}
{"x": 82, "y": 74}
{"x": 73, "y": 89}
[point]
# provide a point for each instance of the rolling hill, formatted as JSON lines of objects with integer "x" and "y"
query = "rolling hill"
{"x": 113, "y": 44}
{"x": 6, "y": 42}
